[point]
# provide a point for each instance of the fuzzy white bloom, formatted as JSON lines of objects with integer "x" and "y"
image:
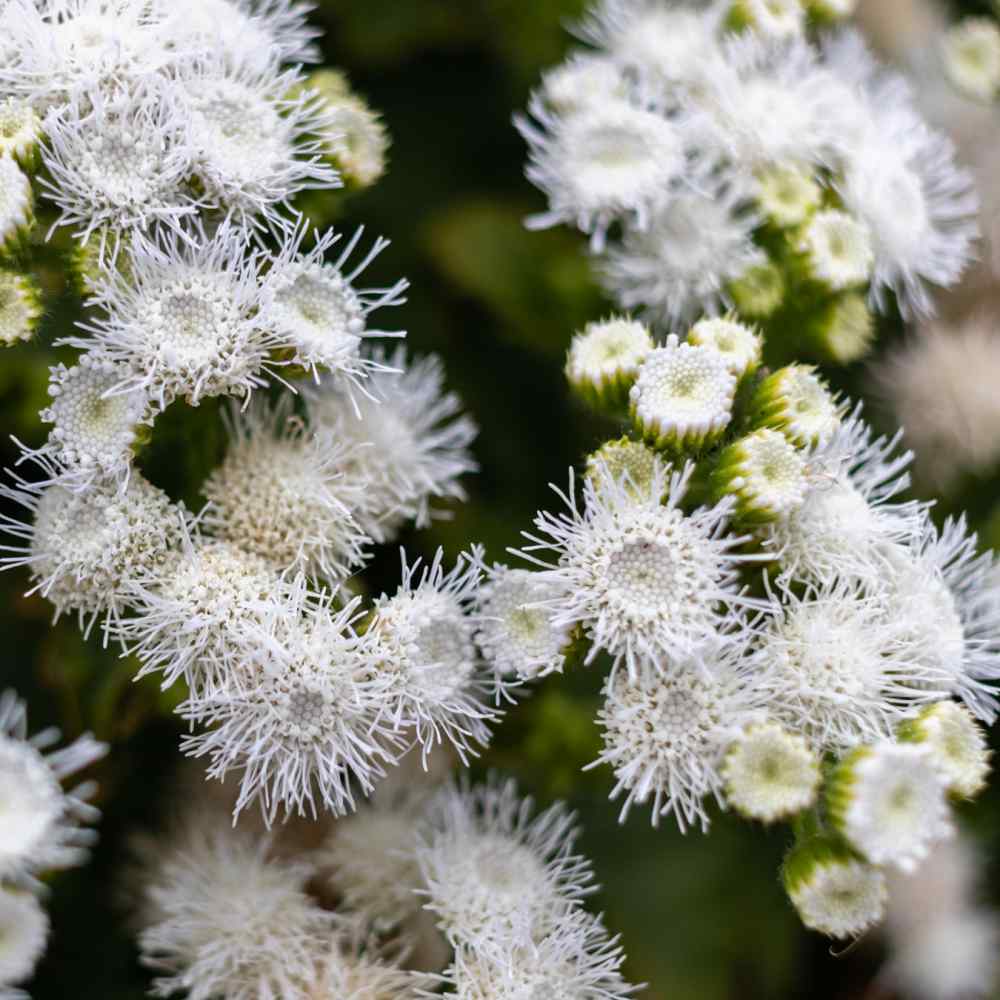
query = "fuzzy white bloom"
{"x": 41, "y": 825}
{"x": 683, "y": 395}
{"x": 645, "y": 581}
{"x": 281, "y": 494}
{"x": 185, "y": 320}
{"x": 583, "y": 79}
{"x": 300, "y": 717}
{"x": 353, "y": 968}
{"x": 86, "y": 550}
{"x": 514, "y": 624}
{"x": 666, "y": 731}
{"x": 608, "y": 160}
{"x": 253, "y": 146}
{"x": 939, "y": 386}
{"x": 834, "y": 892}
{"x": 604, "y": 359}
{"x": 412, "y": 441}
{"x": 739, "y": 345}
{"x": 577, "y": 959}
{"x": 497, "y": 878}
{"x": 20, "y": 308}
{"x": 115, "y": 167}
{"x": 24, "y": 931}
{"x": 315, "y": 311}
{"x": 842, "y": 668}
{"x": 93, "y": 429}
{"x": 679, "y": 266}
{"x": 837, "y": 250}
{"x": 770, "y": 773}
{"x": 16, "y": 201}
{"x": 970, "y": 53}
{"x": 424, "y": 645}
{"x": 849, "y": 520}
{"x": 957, "y": 745}
{"x": 889, "y": 801}
{"x": 786, "y": 193}
{"x": 229, "y": 920}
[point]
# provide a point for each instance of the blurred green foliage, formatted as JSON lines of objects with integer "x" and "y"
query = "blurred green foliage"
{"x": 702, "y": 917}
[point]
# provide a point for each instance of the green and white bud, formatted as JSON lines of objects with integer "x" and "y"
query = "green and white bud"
{"x": 770, "y": 773}
{"x": 759, "y": 292}
{"x": 833, "y": 891}
{"x": 740, "y": 345}
{"x": 622, "y": 458}
{"x": 765, "y": 474}
{"x": 604, "y": 359}
{"x": 770, "y": 18}
{"x": 970, "y": 52}
{"x": 787, "y": 194}
{"x": 837, "y": 250}
{"x": 843, "y": 329}
{"x": 957, "y": 745}
{"x": 830, "y": 11}
{"x": 20, "y": 307}
{"x": 683, "y": 396}
{"x": 86, "y": 266}
{"x": 356, "y": 142}
{"x": 889, "y": 803}
{"x": 16, "y": 205}
{"x": 795, "y": 401}
{"x": 20, "y": 132}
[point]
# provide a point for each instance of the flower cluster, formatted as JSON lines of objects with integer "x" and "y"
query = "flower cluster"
{"x": 456, "y": 887}
{"x": 43, "y": 829}
{"x": 725, "y": 155}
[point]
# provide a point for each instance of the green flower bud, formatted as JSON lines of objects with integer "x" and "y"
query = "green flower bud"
{"x": 787, "y": 194}
{"x": 20, "y": 307}
{"x": 795, "y": 401}
{"x": 603, "y": 360}
{"x": 957, "y": 745}
{"x": 843, "y": 329}
{"x": 739, "y": 345}
{"x": 759, "y": 292}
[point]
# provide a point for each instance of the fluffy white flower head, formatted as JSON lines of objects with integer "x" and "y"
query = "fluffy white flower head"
{"x": 838, "y": 250}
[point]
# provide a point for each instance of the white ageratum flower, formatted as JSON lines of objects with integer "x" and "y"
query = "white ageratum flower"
{"x": 970, "y": 53}
{"x": 889, "y": 802}
{"x": 607, "y": 161}
{"x": 797, "y": 402}
{"x": 20, "y": 131}
{"x": 16, "y": 203}
{"x": 411, "y": 439}
{"x": 764, "y": 474}
{"x": 646, "y": 582}
{"x": 118, "y": 166}
{"x": 740, "y": 345}
{"x": 86, "y": 550}
{"x": 901, "y": 181}
{"x": 837, "y": 250}
{"x": 683, "y": 396}
{"x": 368, "y": 860}
{"x": 947, "y": 596}
{"x": 770, "y": 773}
{"x": 253, "y": 146}
{"x": 770, "y": 18}
{"x": 301, "y": 717}
{"x": 849, "y": 520}
{"x": 584, "y": 78}
{"x": 514, "y": 627}
{"x": 671, "y": 48}
{"x": 786, "y": 194}
{"x": 20, "y": 308}
{"x": 604, "y": 359}
{"x": 841, "y": 670}
{"x": 94, "y": 428}
{"x": 196, "y": 618}
{"x": 41, "y": 825}
{"x": 229, "y": 919}
{"x": 24, "y": 932}
{"x": 957, "y": 745}
{"x": 314, "y": 310}
{"x": 576, "y": 959}
{"x": 495, "y": 877}
{"x": 355, "y": 967}
{"x": 424, "y": 645}
{"x": 184, "y": 320}
{"x": 842, "y": 329}
{"x": 681, "y": 264}
{"x": 281, "y": 494}
{"x": 666, "y": 729}
{"x": 832, "y": 890}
